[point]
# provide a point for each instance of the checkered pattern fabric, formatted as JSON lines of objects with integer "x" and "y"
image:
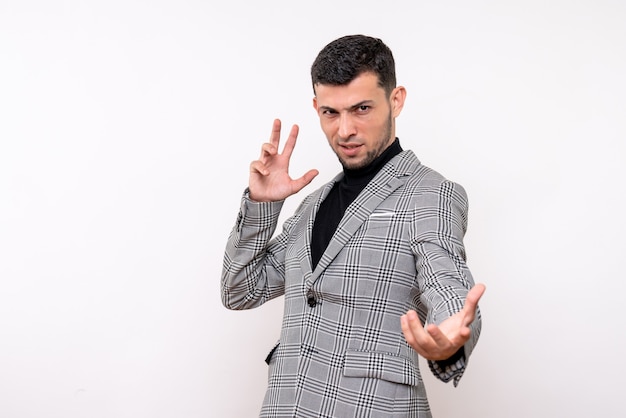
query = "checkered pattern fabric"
{"x": 341, "y": 351}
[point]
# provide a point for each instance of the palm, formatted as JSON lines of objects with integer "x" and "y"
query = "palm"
{"x": 442, "y": 341}
{"x": 269, "y": 175}
{"x": 276, "y": 185}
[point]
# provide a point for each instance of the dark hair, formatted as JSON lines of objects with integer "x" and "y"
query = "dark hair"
{"x": 346, "y": 58}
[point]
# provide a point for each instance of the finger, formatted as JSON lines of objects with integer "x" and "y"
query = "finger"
{"x": 267, "y": 150}
{"x": 258, "y": 167}
{"x": 437, "y": 335}
{"x": 449, "y": 342}
{"x": 275, "y": 136}
{"x": 291, "y": 141}
{"x": 471, "y": 302}
{"x": 474, "y": 295}
{"x": 414, "y": 332}
{"x": 408, "y": 334}
{"x": 301, "y": 182}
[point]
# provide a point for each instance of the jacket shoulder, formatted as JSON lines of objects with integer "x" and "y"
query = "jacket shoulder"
{"x": 409, "y": 167}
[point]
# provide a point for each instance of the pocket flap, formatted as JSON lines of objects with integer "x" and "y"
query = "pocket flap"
{"x": 386, "y": 366}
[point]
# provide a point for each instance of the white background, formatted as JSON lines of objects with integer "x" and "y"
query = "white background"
{"x": 126, "y": 130}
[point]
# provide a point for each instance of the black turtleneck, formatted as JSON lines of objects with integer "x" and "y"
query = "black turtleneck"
{"x": 339, "y": 198}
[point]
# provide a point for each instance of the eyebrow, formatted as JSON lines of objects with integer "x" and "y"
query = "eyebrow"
{"x": 354, "y": 106}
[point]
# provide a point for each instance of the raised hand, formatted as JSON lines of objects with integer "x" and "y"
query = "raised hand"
{"x": 441, "y": 342}
{"x": 269, "y": 175}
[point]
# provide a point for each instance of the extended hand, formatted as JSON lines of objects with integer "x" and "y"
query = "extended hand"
{"x": 441, "y": 342}
{"x": 269, "y": 175}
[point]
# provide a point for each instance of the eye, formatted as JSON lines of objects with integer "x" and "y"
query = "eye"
{"x": 363, "y": 108}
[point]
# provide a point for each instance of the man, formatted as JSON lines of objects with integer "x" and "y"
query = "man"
{"x": 362, "y": 261}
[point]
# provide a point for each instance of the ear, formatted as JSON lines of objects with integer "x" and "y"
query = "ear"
{"x": 315, "y": 103}
{"x": 397, "y": 97}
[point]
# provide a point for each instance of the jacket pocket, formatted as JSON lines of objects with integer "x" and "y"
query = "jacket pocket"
{"x": 381, "y": 219}
{"x": 379, "y": 365}
{"x": 271, "y": 354}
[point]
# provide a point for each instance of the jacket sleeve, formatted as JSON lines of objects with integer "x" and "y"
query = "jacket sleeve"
{"x": 442, "y": 273}
{"x": 253, "y": 268}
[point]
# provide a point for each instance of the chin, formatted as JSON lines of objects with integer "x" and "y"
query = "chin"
{"x": 353, "y": 164}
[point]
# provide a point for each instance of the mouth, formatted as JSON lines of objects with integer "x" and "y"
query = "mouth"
{"x": 350, "y": 149}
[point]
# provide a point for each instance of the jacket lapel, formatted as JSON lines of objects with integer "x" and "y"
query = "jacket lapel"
{"x": 305, "y": 258}
{"x": 390, "y": 177}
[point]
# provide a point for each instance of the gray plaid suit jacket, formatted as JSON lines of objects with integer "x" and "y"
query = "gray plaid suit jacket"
{"x": 341, "y": 351}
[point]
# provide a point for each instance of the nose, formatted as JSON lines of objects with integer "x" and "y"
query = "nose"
{"x": 347, "y": 128}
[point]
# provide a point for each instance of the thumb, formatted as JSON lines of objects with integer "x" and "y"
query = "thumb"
{"x": 307, "y": 178}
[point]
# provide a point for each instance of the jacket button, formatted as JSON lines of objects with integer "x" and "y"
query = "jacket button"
{"x": 311, "y": 301}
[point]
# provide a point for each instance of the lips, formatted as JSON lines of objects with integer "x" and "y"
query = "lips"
{"x": 350, "y": 150}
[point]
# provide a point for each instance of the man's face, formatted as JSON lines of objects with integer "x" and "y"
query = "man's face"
{"x": 358, "y": 118}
